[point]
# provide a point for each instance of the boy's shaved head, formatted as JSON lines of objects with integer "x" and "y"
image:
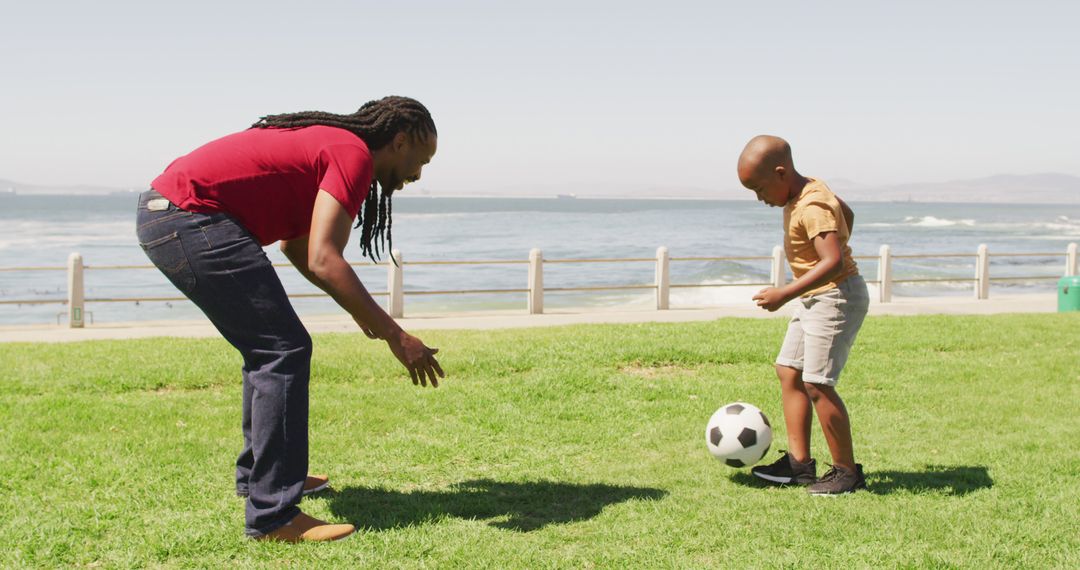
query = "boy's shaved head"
{"x": 762, "y": 155}
{"x": 765, "y": 167}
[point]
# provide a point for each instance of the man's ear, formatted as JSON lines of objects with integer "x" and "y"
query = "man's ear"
{"x": 781, "y": 172}
{"x": 400, "y": 140}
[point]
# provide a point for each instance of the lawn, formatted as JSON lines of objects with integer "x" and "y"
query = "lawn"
{"x": 571, "y": 447}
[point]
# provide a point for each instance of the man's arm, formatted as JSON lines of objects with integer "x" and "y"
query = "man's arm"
{"x": 330, "y": 229}
{"x": 296, "y": 250}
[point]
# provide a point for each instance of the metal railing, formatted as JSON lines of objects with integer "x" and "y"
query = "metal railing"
{"x": 662, "y": 285}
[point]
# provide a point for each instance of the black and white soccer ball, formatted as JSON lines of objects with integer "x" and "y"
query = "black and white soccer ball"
{"x": 738, "y": 434}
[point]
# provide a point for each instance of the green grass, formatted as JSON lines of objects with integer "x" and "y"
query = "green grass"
{"x": 564, "y": 447}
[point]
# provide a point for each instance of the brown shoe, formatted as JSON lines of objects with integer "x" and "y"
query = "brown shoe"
{"x": 305, "y": 528}
{"x": 316, "y": 483}
{"x": 313, "y": 484}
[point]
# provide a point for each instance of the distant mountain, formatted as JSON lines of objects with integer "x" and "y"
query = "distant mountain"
{"x": 1046, "y": 188}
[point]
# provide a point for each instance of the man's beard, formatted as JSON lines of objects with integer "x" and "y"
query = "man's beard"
{"x": 390, "y": 184}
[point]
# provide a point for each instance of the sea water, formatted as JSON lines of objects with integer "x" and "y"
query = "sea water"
{"x": 43, "y": 230}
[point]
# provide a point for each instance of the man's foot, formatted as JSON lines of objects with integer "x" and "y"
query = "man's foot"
{"x": 308, "y": 529}
{"x": 838, "y": 481}
{"x": 316, "y": 483}
{"x": 313, "y": 484}
{"x": 787, "y": 471}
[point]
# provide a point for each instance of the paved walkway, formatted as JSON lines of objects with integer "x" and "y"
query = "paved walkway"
{"x": 1046, "y": 303}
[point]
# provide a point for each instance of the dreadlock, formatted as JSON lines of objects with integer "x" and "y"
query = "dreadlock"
{"x": 376, "y": 123}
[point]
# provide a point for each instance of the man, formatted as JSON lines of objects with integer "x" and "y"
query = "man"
{"x": 300, "y": 179}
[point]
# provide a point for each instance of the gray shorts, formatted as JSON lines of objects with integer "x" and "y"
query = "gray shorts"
{"x": 823, "y": 329}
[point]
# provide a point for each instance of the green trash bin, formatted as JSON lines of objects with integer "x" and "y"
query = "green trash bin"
{"x": 1069, "y": 293}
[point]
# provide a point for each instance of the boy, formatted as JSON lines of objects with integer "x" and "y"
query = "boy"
{"x": 832, "y": 302}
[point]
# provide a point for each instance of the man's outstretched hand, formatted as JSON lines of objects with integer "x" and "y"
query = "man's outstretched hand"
{"x": 417, "y": 358}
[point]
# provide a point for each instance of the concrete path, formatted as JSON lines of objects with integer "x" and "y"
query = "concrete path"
{"x": 1046, "y": 303}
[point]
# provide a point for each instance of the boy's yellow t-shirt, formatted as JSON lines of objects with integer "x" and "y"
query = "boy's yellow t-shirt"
{"x": 814, "y": 212}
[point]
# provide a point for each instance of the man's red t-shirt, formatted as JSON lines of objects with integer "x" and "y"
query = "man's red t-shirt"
{"x": 268, "y": 178}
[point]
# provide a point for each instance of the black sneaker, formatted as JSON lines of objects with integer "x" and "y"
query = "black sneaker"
{"x": 838, "y": 481}
{"x": 787, "y": 471}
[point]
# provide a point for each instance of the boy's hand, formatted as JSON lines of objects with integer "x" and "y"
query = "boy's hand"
{"x": 770, "y": 298}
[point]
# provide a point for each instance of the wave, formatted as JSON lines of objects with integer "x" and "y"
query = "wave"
{"x": 1059, "y": 224}
{"x": 1062, "y": 224}
{"x": 934, "y": 222}
{"x": 435, "y": 216}
{"x": 1059, "y": 228}
{"x": 33, "y": 232}
{"x": 34, "y": 243}
{"x": 921, "y": 221}
{"x": 735, "y": 292}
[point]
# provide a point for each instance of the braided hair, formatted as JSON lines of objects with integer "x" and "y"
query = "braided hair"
{"x": 376, "y": 123}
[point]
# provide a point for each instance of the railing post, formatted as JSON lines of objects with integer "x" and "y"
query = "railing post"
{"x": 663, "y": 278}
{"x": 395, "y": 284}
{"x": 76, "y": 299}
{"x": 982, "y": 273}
{"x": 536, "y": 282}
{"x": 1070, "y": 260}
{"x": 884, "y": 274}
{"x": 777, "y": 275}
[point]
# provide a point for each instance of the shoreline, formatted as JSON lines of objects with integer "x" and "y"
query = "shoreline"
{"x": 490, "y": 320}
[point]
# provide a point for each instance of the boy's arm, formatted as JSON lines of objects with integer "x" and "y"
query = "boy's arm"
{"x": 849, "y": 215}
{"x": 827, "y": 246}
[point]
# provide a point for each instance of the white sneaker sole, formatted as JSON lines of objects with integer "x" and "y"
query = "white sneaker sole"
{"x": 773, "y": 478}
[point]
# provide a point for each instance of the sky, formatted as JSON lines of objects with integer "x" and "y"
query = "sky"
{"x": 640, "y": 98}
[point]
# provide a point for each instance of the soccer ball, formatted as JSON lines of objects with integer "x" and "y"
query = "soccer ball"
{"x": 738, "y": 434}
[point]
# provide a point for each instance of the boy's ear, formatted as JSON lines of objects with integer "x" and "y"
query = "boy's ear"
{"x": 780, "y": 171}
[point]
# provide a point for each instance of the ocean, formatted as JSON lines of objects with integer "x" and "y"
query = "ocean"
{"x": 42, "y": 230}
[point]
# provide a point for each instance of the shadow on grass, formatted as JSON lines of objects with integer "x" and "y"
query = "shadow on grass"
{"x": 523, "y": 507}
{"x": 745, "y": 479}
{"x": 941, "y": 479}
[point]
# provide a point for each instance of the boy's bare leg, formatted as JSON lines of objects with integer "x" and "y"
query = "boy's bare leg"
{"x": 797, "y": 412}
{"x": 835, "y": 423}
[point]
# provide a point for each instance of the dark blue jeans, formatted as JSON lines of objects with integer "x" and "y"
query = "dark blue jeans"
{"x": 219, "y": 266}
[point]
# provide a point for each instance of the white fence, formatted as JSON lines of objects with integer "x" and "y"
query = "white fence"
{"x": 76, "y": 300}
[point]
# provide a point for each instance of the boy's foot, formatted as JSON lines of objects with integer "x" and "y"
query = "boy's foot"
{"x": 838, "y": 481}
{"x": 313, "y": 484}
{"x": 308, "y": 529}
{"x": 787, "y": 471}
